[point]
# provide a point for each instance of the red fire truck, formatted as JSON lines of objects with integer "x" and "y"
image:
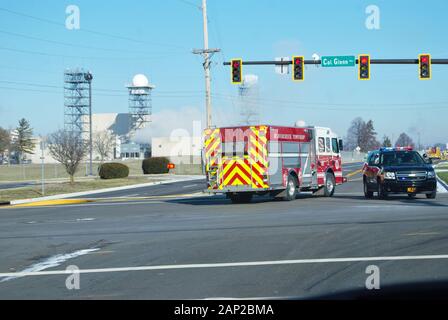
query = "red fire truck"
{"x": 263, "y": 159}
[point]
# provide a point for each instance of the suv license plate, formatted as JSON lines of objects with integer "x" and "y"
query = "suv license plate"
{"x": 412, "y": 190}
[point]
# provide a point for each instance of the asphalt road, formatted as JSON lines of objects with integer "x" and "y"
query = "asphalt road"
{"x": 14, "y": 185}
{"x": 156, "y": 229}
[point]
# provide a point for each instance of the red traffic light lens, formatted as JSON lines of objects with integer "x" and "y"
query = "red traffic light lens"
{"x": 236, "y": 64}
{"x": 298, "y": 61}
{"x": 364, "y": 60}
{"x": 425, "y": 59}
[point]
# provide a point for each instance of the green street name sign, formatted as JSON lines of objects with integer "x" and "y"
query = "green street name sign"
{"x": 338, "y": 61}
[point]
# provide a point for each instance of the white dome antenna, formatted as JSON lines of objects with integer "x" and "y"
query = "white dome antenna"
{"x": 140, "y": 80}
{"x": 300, "y": 124}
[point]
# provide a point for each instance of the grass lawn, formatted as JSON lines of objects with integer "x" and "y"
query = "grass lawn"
{"x": 66, "y": 187}
{"x": 29, "y": 172}
{"x": 443, "y": 176}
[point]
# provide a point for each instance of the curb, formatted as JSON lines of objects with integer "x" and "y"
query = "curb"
{"x": 98, "y": 191}
{"x": 53, "y": 203}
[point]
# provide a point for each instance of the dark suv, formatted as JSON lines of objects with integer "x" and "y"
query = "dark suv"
{"x": 398, "y": 170}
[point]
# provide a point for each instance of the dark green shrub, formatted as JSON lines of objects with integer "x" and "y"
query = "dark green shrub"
{"x": 155, "y": 165}
{"x": 113, "y": 171}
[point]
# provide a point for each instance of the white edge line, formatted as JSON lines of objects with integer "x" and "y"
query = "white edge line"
{"x": 224, "y": 265}
{"x": 85, "y": 193}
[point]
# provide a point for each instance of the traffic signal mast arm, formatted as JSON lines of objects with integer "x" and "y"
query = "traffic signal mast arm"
{"x": 424, "y": 63}
{"x": 372, "y": 61}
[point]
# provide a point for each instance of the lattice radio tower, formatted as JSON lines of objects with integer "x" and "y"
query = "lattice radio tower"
{"x": 140, "y": 104}
{"x": 248, "y": 93}
{"x": 77, "y": 102}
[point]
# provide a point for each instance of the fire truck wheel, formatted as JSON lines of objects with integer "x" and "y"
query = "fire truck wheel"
{"x": 291, "y": 189}
{"x": 241, "y": 197}
{"x": 329, "y": 185}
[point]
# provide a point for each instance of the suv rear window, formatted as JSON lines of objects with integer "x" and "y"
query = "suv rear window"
{"x": 401, "y": 158}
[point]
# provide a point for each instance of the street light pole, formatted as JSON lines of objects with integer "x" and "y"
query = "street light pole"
{"x": 89, "y": 77}
{"x": 42, "y": 147}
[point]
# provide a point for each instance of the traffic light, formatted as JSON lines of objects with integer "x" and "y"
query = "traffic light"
{"x": 424, "y": 66}
{"x": 298, "y": 63}
{"x": 364, "y": 67}
{"x": 237, "y": 71}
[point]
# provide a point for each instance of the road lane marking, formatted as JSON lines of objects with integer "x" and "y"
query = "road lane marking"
{"x": 227, "y": 265}
{"x": 422, "y": 234}
{"x": 354, "y": 173}
{"x": 51, "y": 262}
{"x": 190, "y": 185}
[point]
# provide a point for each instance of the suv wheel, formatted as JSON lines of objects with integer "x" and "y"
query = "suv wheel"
{"x": 431, "y": 195}
{"x": 330, "y": 185}
{"x": 382, "y": 194}
{"x": 291, "y": 189}
{"x": 368, "y": 194}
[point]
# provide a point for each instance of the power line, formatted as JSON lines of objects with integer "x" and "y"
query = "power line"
{"x": 262, "y": 101}
{"x": 191, "y": 4}
{"x": 77, "y": 57}
{"x": 88, "y": 30}
{"x": 329, "y": 103}
{"x": 97, "y": 89}
{"x": 339, "y": 107}
{"x": 14, "y": 34}
{"x": 101, "y": 94}
{"x": 267, "y": 102}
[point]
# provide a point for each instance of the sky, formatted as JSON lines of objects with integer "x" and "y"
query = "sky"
{"x": 118, "y": 39}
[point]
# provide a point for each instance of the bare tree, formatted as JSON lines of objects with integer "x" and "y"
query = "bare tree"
{"x": 103, "y": 144}
{"x": 69, "y": 149}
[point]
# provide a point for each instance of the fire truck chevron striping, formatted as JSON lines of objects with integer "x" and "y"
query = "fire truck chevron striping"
{"x": 247, "y": 160}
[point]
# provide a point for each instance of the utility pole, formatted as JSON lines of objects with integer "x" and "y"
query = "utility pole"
{"x": 207, "y": 54}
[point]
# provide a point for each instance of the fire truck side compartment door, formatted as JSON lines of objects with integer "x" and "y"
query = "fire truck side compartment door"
{"x": 275, "y": 164}
{"x": 313, "y": 158}
{"x": 305, "y": 161}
